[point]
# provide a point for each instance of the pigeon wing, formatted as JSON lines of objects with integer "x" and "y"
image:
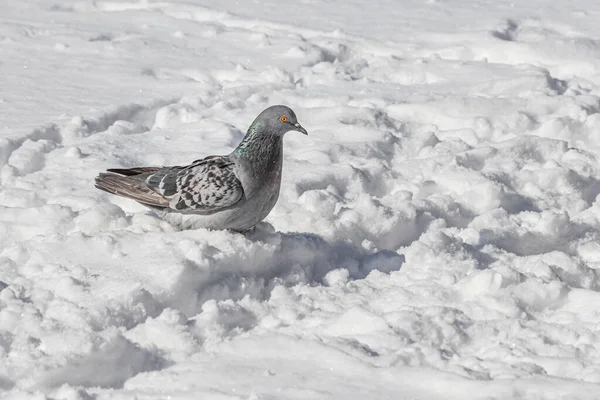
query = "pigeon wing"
{"x": 206, "y": 185}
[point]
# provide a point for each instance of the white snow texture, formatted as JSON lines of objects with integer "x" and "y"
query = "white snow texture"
{"x": 437, "y": 233}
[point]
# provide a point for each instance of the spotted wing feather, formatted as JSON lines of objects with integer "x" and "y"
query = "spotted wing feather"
{"x": 206, "y": 185}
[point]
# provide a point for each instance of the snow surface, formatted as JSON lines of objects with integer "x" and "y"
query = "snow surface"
{"x": 437, "y": 234}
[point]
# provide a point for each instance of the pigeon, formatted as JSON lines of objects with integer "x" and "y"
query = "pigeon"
{"x": 234, "y": 191}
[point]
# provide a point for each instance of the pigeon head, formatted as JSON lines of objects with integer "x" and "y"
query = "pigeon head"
{"x": 277, "y": 120}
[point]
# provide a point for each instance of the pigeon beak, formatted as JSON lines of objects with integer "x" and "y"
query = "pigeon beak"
{"x": 299, "y": 128}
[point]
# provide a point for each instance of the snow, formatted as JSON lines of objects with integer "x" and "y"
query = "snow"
{"x": 436, "y": 237}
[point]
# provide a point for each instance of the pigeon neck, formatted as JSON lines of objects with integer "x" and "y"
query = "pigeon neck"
{"x": 259, "y": 150}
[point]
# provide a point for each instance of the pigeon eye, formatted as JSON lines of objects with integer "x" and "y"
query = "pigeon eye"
{"x": 283, "y": 118}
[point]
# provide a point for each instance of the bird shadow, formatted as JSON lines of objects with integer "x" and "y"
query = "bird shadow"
{"x": 273, "y": 258}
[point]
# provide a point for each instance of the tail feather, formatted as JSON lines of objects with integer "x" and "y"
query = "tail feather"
{"x": 130, "y": 187}
{"x": 134, "y": 171}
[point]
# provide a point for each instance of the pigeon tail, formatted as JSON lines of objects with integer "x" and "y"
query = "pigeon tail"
{"x": 130, "y": 187}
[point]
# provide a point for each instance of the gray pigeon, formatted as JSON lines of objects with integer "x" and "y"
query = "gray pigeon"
{"x": 234, "y": 191}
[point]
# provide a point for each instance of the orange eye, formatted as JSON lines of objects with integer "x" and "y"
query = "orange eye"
{"x": 283, "y": 118}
